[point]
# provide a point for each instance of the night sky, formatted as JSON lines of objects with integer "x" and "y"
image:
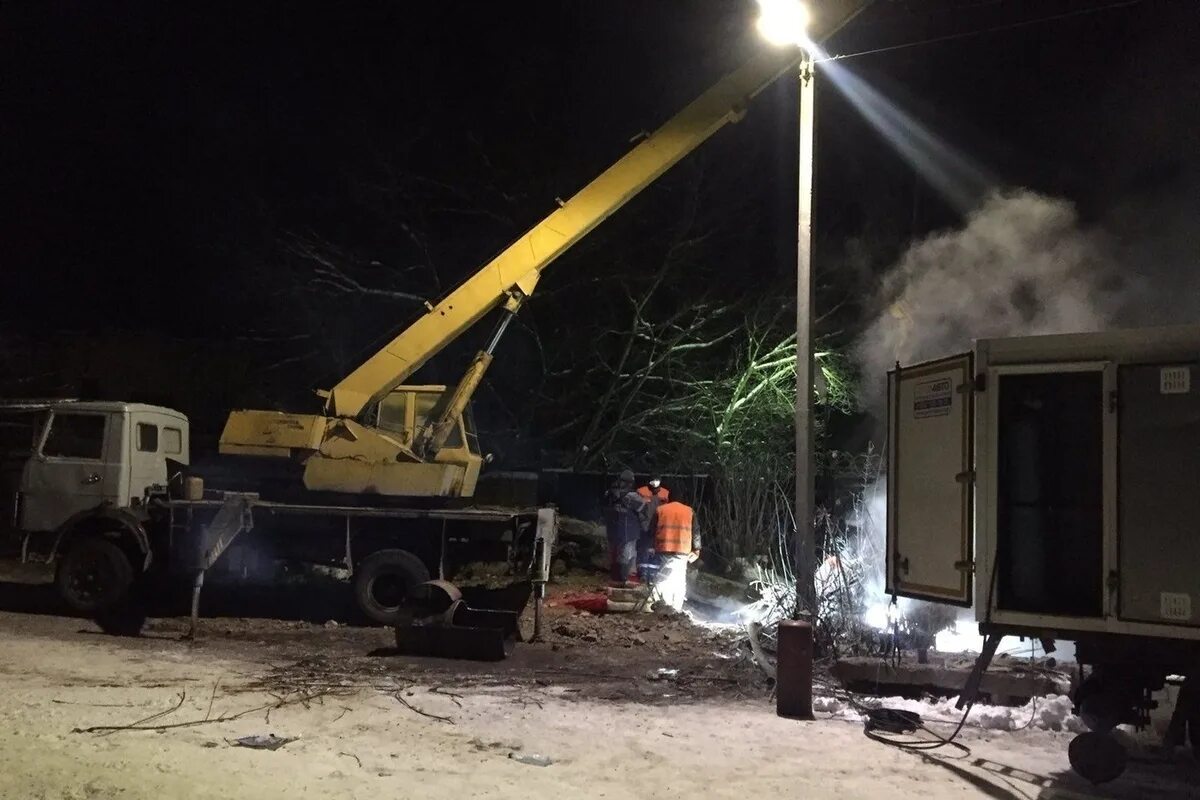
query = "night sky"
{"x": 157, "y": 156}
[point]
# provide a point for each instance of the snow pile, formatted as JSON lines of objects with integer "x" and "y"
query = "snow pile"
{"x": 830, "y": 705}
{"x": 1050, "y": 713}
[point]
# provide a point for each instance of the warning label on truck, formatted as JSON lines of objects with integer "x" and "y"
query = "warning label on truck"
{"x": 1175, "y": 380}
{"x": 1175, "y": 606}
{"x": 932, "y": 398}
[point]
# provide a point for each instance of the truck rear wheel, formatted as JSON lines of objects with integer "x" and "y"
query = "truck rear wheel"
{"x": 382, "y": 582}
{"x": 94, "y": 576}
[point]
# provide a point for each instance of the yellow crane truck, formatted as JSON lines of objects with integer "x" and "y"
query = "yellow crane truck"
{"x": 379, "y": 436}
{"x": 377, "y": 444}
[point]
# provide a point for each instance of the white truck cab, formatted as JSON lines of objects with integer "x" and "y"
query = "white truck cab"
{"x": 85, "y": 455}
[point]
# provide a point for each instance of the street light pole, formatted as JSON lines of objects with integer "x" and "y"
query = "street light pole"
{"x": 806, "y": 546}
{"x": 786, "y": 22}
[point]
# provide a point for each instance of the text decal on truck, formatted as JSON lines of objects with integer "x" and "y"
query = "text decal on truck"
{"x": 932, "y": 398}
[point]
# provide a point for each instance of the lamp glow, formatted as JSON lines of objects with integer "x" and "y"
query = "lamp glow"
{"x": 783, "y": 22}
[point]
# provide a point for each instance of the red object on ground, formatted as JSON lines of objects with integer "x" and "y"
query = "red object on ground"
{"x": 793, "y": 671}
{"x": 595, "y": 602}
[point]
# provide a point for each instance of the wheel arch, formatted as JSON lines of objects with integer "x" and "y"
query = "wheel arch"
{"x": 123, "y": 526}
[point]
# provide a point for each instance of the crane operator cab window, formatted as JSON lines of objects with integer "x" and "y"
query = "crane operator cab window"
{"x": 405, "y": 412}
{"x": 393, "y": 416}
{"x": 425, "y": 408}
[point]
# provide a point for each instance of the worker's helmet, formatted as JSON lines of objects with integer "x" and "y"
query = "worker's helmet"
{"x": 655, "y": 482}
{"x": 627, "y": 476}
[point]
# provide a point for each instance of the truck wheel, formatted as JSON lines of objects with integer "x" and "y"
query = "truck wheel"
{"x": 1102, "y": 705}
{"x": 383, "y": 580}
{"x": 94, "y": 576}
{"x": 125, "y": 619}
{"x": 1097, "y": 757}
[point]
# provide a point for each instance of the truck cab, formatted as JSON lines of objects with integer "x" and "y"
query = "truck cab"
{"x": 81, "y": 457}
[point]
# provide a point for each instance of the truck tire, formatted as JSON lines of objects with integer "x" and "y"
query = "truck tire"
{"x": 1102, "y": 706}
{"x": 94, "y": 576}
{"x": 382, "y": 582}
{"x": 125, "y": 619}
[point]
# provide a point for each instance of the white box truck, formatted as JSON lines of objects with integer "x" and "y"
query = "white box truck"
{"x": 1052, "y": 483}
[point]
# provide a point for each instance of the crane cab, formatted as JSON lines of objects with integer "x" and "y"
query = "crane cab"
{"x": 372, "y": 455}
{"x": 408, "y": 409}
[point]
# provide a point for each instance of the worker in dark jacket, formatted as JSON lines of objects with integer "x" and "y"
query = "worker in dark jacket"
{"x": 655, "y": 494}
{"x": 626, "y": 515}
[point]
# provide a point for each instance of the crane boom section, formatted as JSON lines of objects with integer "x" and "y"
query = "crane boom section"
{"x": 512, "y": 275}
{"x": 517, "y": 268}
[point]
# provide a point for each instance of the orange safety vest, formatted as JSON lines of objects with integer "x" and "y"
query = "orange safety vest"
{"x": 674, "y": 531}
{"x": 661, "y": 494}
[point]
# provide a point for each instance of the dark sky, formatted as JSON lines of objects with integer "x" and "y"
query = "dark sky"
{"x": 154, "y": 153}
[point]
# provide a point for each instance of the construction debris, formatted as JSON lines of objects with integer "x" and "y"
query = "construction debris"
{"x": 268, "y": 742}
{"x": 1008, "y": 681}
{"x": 532, "y": 759}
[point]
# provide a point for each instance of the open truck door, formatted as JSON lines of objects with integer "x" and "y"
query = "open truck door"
{"x": 930, "y": 489}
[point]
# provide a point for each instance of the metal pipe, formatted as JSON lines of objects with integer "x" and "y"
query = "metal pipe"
{"x": 197, "y": 585}
{"x": 501, "y": 326}
{"x": 442, "y": 554}
{"x": 539, "y": 594}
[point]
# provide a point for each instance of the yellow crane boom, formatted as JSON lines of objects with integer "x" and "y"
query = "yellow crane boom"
{"x": 513, "y": 273}
{"x": 345, "y": 452}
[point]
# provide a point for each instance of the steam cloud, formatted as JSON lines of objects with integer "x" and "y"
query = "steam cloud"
{"x": 1021, "y": 265}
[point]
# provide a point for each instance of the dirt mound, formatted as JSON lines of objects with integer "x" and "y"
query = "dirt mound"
{"x": 661, "y": 631}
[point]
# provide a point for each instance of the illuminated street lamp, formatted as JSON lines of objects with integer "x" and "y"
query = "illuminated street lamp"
{"x": 784, "y": 23}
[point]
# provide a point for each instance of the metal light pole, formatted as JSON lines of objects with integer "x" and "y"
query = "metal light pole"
{"x": 785, "y": 22}
{"x": 793, "y": 696}
{"x": 806, "y": 547}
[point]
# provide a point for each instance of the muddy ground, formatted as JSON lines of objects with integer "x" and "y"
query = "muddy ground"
{"x": 622, "y": 706}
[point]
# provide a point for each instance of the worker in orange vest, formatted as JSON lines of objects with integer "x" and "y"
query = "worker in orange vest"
{"x": 677, "y": 544}
{"x": 655, "y": 494}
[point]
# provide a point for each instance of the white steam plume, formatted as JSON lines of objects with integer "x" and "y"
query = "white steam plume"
{"x": 1021, "y": 265}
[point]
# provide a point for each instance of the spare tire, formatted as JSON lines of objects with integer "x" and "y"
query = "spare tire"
{"x": 382, "y": 582}
{"x": 94, "y": 576}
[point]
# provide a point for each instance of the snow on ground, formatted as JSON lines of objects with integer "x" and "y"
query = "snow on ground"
{"x": 621, "y": 707}
{"x": 456, "y": 737}
{"x": 1052, "y": 713}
